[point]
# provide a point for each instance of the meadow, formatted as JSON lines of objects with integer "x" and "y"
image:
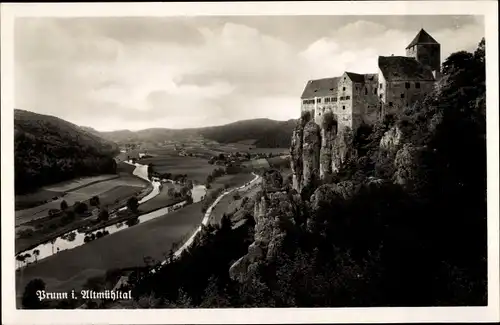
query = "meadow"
{"x": 197, "y": 169}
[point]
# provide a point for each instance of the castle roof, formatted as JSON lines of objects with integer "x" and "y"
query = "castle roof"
{"x": 401, "y": 68}
{"x": 422, "y": 38}
{"x": 355, "y": 77}
{"x": 321, "y": 88}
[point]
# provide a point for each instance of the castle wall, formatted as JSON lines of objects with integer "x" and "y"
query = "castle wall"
{"x": 400, "y": 94}
{"x": 345, "y": 102}
{"x": 366, "y": 105}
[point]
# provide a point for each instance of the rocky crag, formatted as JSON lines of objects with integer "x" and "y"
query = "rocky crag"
{"x": 318, "y": 151}
{"x": 275, "y": 210}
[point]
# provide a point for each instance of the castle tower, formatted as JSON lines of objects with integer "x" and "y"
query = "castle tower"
{"x": 427, "y": 51}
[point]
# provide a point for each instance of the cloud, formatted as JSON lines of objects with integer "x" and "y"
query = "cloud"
{"x": 115, "y": 73}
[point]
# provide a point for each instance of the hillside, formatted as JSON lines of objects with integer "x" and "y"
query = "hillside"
{"x": 266, "y": 133}
{"x": 49, "y": 150}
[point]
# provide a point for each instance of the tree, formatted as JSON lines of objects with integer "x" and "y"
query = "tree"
{"x": 80, "y": 207}
{"x": 36, "y": 253}
{"x": 94, "y": 201}
{"x": 30, "y": 298}
{"x": 133, "y": 204}
{"x": 20, "y": 258}
{"x": 64, "y": 205}
{"x": 103, "y": 215}
{"x": 210, "y": 179}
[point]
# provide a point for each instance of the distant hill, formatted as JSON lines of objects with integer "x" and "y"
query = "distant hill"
{"x": 264, "y": 133}
{"x": 49, "y": 150}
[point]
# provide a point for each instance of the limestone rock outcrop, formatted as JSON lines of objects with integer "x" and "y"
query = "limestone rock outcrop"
{"x": 318, "y": 151}
{"x": 391, "y": 139}
{"x": 274, "y": 212}
{"x": 342, "y": 148}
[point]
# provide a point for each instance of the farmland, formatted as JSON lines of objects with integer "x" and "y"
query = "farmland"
{"x": 123, "y": 249}
{"x": 47, "y": 193}
{"x": 111, "y": 189}
{"x": 197, "y": 169}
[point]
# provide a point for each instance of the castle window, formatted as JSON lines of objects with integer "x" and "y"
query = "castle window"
{"x": 407, "y": 86}
{"x": 343, "y": 88}
{"x": 366, "y": 91}
{"x": 327, "y": 99}
{"x": 347, "y": 97}
{"x": 375, "y": 91}
{"x": 334, "y": 99}
{"x": 402, "y": 95}
{"x": 318, "y": 100}
{"x": 380, "y": 85}
{"x": 417, "y": 85}
{"x": 380, "y": 96}
{"x": 390, "y": 104}
{"x": 343, "y": 107}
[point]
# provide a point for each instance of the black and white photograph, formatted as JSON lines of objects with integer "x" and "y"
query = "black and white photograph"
{"x": 338, "y": 158}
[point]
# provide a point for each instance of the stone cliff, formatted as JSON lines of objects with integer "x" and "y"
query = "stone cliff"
{"x": 318, "y": 151}
{"x": 274, "y": 213}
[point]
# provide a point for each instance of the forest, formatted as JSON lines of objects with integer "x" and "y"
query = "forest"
{"x": 50, "y": 150}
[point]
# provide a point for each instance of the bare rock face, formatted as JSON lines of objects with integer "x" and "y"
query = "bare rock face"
{"x": 274, "y": 213}
{"x": 311, "y": 146}
{"x": 325, "y": 159}
{"x": 342, "y": 148}
{"x": 391, "y": 139}
{"x": 296, "y": 157}
{"x": 312, "y": 151}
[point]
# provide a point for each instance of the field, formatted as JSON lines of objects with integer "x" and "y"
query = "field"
{"x": 48, "y": 193}
{"x": 197, "y": 169}
{"x": 126, "y": 248}
{"x": 111, "y": 190}
{"x": 257, "y": 163}
{"x": 279, "y": 162}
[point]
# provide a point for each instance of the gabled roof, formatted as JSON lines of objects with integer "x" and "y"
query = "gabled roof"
{"x": 400, "y": 68}
{"x": 355, "y": 77}
{"x": 321, "y": 88}
{"x": 422, "y": 38}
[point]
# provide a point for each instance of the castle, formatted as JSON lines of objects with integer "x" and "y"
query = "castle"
{"x": 354, "y": 98}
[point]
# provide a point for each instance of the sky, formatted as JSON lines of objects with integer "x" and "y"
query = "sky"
{"x": 133, "y": 73}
